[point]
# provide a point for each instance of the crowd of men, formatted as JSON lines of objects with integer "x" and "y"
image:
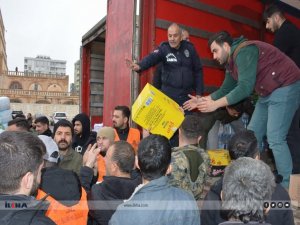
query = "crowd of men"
{"x": 73, "y": 175}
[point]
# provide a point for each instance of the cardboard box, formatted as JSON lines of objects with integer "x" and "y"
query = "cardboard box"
{"x": 219, "y": 159}
{"x": 294, "y": 189}
{"x": 156, "y": 112}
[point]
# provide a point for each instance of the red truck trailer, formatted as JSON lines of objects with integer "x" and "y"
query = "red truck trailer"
{"x": 133, "y": 30}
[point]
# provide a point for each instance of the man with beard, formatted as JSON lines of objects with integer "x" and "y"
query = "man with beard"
{"x": 121, "y": 124}
{"x": 276, "y": 79}
{"x": 83, "y": 134}
{"x": 287, "y": 39}
{"x": 105, "y": 138}
{"x": 68, "y": 158}
{"x": 90, "y": 174}
{"x": 21, "y": 161}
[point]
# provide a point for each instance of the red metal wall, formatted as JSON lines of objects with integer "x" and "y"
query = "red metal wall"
{"x": 118, "y": 46}
{"x": 185, "y": 13}
{"x": 181, "y": 13}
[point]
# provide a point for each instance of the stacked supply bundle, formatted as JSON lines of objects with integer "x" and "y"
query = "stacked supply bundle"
{"x": 5, "y": 112}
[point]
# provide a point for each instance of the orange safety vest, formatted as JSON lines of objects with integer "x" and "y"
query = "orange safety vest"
{"x": 133, "y": 137}
{"x": 63, "y": 215}
{"x": 101, "y": 168}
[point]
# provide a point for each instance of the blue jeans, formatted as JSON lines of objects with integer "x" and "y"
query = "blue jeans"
{"x": 272, "y": 117}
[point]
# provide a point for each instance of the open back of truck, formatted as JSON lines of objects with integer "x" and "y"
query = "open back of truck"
{"x": 131, "y": 33}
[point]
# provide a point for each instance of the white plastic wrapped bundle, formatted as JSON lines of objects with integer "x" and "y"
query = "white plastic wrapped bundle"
{"x": 5, "y": 116}
{"x": 4, "y": 103}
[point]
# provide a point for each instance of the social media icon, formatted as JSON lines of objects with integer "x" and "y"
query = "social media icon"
{"x": 273, "y": 205}
{"x": 287, "y": 204}
{"x": 279, "y": 205}
{"x": 266, "y": 205}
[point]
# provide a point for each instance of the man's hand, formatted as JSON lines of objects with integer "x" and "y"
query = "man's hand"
{"x": 90, "y": 156}
{"x": 207, "y": 105}
{"x": 191, "y": 104}
{"x": 131, "y": 65}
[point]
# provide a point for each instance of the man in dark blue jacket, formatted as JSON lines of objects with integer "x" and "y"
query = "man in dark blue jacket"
{"x": 181, "y": 66}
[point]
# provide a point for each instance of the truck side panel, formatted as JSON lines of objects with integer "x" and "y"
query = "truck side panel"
{"x": 118, "y": 47}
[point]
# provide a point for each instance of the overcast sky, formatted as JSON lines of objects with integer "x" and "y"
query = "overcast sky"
{"x": 48, "y": 27}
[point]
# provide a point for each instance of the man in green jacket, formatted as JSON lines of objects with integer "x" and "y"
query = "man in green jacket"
{"x": 276, "y": 79}
{"x": 69, "y": 159}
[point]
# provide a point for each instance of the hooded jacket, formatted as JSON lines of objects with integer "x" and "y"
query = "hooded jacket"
{"x": 33, "y": 213}
{"x": 82, "y": 141}
{"x": 66, "y": 196}
{"x": 211, "y": 213}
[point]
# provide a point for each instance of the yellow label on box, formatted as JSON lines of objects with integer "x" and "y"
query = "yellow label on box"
{"x": 219, "y": 157}
{"x": 156, "y": 112}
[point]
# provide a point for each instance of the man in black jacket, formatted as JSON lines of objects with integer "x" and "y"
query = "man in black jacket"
{"x": 244, "y": 144}
{"x": 83, "y": 134}
{"x": 21, "y": 161}
{"x": 118, "y": 184}
{"x": 287, "y": 35}
{"x": 42, "y": 126}
{"x": 156, "y": 80}
{"x": 287, "y": 39}
{"x": 181, "y": 67}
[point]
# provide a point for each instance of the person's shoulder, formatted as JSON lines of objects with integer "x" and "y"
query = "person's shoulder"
{"x": 188, "y": 44}
{"x": 93, "y": 134}
{"x": 131, "y": 129}
{"x": 76, "y": 155}
{"x": 288, "y": 25}
{"x": 181, "y": 194}
{"x": 178, "y": 156}
{"x": 164, "y": 44}
{"x": 97, "y": 190}
{"x": 57, "y": 172}
{"x": 280, "y": 193}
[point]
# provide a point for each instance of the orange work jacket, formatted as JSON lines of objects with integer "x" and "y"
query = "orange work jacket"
{"x": 101, "y": 168}
{"x": 63, "y": 215}
{"x": 133, "y": 137}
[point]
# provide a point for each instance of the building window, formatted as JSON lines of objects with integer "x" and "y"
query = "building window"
{"x": 15, "y": 85}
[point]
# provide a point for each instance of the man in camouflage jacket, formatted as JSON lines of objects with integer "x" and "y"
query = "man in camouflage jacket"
{"x": 189, "y": 162}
